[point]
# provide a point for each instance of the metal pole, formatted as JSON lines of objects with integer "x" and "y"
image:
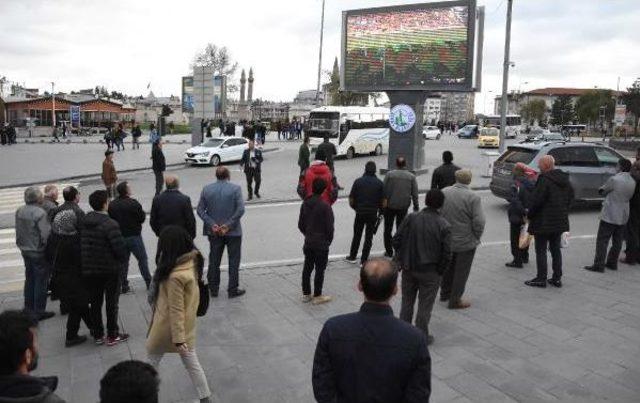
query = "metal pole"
{"x": 320, "y": 55}
{"x": 505, "y": 79}
{"x": 53, "y": 104}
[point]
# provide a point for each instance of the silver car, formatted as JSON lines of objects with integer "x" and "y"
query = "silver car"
{"x": 589, "y": 165}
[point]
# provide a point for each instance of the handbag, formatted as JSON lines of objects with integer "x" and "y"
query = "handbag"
{"x": 203, "y": 305}
{"x": 525, "y": 237}
{"x": 564, "y": 239}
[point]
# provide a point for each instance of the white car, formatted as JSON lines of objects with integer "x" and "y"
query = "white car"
{"x": 216, "y": 150}
{"x": 431, "y": 132}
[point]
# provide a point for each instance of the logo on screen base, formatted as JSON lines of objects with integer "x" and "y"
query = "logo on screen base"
{"x": 402, "y": 118}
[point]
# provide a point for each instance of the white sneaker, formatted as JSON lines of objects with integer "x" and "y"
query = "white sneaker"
{"x": 306, "y": 298}
{"x": 321, "y": 299}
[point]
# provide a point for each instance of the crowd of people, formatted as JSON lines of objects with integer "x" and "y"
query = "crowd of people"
{"x": 7, "y": 134}
{"x": 83, "y": 259}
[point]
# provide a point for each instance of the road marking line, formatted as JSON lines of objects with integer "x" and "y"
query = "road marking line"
{"x": 7, "y": 240}
{"x": 17, "y": 263}
{"x": 7, "y": 231}
{"x": 10, "y": 251}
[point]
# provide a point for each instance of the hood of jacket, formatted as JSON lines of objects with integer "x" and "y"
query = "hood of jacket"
{"x": 25, "y": 388}
{"x": 94, "y": 219}
{"x": 319, "y": 168}
{"x": 558, "y": 177}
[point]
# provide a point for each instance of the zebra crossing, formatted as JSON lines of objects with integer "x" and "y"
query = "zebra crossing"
{"x": 11, "y": 263}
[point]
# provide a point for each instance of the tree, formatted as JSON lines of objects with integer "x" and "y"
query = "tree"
{"x": 220, "y": 59}
{"x": 344, "y": 98}
{"x": 632, "y": 101}
{"x": 591, "y": 104}
{"x": 562, "y": 110}
{"x": 534, "y": 110}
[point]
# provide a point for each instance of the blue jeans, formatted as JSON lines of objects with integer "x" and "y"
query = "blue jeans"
{"x": 135, "y": 245}
{"x": 36, "y": 282}
{"x": 234, "y": 246}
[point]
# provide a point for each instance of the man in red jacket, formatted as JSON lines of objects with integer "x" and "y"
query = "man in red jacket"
{"x": 320, "y": 169}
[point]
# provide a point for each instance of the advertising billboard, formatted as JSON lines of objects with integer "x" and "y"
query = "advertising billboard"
{"x": 187, "y": 94}
{"x": 414, "y": 47}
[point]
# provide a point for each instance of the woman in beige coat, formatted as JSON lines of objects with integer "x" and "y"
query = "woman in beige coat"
{"x": 175, "y": 297}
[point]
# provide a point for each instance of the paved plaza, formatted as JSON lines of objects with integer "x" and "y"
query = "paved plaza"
{"x": 575, "y": 344}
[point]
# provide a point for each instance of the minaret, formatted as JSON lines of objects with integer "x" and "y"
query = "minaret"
{"x": 250, "y": 92}
{"x": 243, "y": 80}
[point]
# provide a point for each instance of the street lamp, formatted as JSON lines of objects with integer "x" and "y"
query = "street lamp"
{"x": 320, "y": 55}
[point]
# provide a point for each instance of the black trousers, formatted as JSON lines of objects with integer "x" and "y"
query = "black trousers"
{"x": 314, "y": 259}
{"x": 606, "y": 232}
{"x": 253, "y": 176}
{"x": 159, "y": 181}
{"x": 632, "y": 236}
{"x": 423, "y": 285}
{"x": 454, "y": 279}
{"x": 391, "y": 215}
{"x": 78, "y": 310}
{"x": 362, "y": 221}
{"x": 104, "y": 289}
{"x": 519, "y": 255}
{"x": 552, "y": 243}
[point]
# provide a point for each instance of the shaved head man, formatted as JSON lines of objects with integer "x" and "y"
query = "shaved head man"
{"x": 171, "y": 182}
{"x": 171, "y": 207}
{"x": 375, "y": 337}
{"x": 546, "y": 163}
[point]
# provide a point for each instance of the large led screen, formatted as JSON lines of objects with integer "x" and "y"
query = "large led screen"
{"x": 420, "y": 46}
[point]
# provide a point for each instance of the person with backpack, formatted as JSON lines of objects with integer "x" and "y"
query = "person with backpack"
{"x": 175, "y": 296}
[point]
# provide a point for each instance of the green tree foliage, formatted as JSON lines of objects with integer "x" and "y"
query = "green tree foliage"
{"x": 632, "y": 100}
{"x": 534, "y": 110}
{"x": 589, "y": 104}
{"x": 345, "y": 98}
{"x": 562, "y": 110}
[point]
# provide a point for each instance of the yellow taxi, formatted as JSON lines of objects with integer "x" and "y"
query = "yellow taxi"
{"x": 489, "y": 137}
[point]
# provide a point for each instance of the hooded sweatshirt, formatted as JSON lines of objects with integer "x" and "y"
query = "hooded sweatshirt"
{"x": 319, "y": 169}
{"x": 28, "y": 389}
{"x": 550, "y": 202}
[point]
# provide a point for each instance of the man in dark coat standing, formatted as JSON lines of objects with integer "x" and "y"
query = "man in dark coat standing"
{"x": 171, "y": 207}
{"x": 128, "y": 213}
{"x": 251, "y": 163}
{"x": 316, "y": 224}
{"x": 423, "y": 245}
{"x": 304, "y": 155}
{"x": 103, "y": 254}
{"x": 367, "y": 199}
{"x": 548, "y": 219}
{"x": 159, "y": 165}
{"x": 444, "y": 175}
{"x": 371, "y": 356}
{"x": 632, "y": 235}
{"x": 517, "y": 212}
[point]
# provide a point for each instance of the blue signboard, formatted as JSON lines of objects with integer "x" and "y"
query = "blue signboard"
{"x": 74, "y": 112}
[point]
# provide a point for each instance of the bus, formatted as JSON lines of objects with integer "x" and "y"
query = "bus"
{"x": 513, "y": 128}
{"x": 354, "y": 130}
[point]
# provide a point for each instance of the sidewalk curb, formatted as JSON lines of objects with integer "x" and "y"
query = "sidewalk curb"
{"x": 97, "y": 175}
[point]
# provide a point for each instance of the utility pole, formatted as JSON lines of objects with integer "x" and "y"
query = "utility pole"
{"x": 320, "y": 56}
{"x": 505, "y": 79}
{"x": 53, "y": 104}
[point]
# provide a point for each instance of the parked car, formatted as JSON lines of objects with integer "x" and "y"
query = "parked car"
{"x": 589, "y": 165}
{"x": 216, "y": 150}
{"x": 536, "y": 131}
{"x": 431, "y": 132}
{"x": 489, "y": 138}
{"x": 468, "y": 132}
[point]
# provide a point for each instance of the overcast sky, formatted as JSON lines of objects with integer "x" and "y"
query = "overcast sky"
{"x": 124, "y": 44}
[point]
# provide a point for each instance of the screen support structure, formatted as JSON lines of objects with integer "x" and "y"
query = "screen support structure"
{"x": 410, "y": 144}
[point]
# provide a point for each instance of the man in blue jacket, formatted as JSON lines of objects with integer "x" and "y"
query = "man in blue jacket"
{"x": 372, "y": 356}
{"x": 221, "y": 208}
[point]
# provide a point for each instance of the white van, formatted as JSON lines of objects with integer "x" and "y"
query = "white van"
{"x": 352, "y": 129}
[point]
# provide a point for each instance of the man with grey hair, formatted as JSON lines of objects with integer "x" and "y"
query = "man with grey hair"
{"x": 463, "y": 210}
{"x": 32, "y": 231}
{"x": 50, "y": 202}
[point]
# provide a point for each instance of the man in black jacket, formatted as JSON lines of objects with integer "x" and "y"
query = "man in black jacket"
{"x": 18, "y": 357}
{"x": 423, "y": 249}
{"x": 171, "y": 207}
{"x": 367, "y": 199}
{"x": 159, "y": 165}
{"x": 445, "y": 174}
{"x": 103, "y": 253}
{"x": 548, "y": 219}
{"x": 316, "y": 224}
{"x": 128, "y": 213}
{"x": 517, "y": 212}
{"x": 371, "y": 356}
{"x": 251, "y": 162}
{"x": 71, "y": 197}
